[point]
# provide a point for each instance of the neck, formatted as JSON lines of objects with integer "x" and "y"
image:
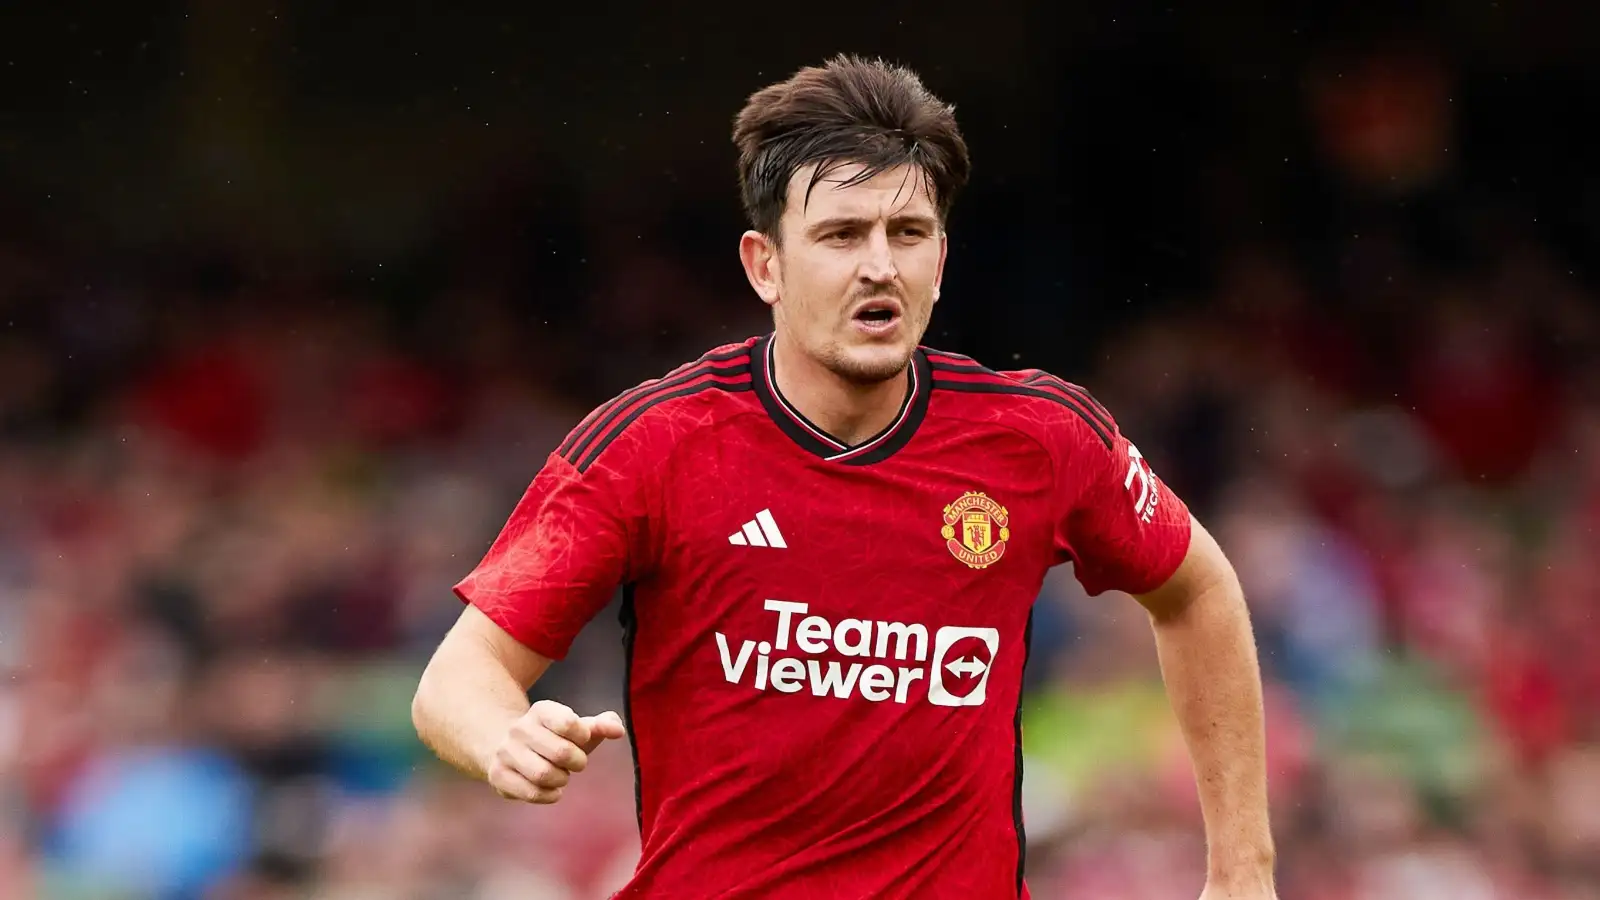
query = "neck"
{"x": 850, "y": 412}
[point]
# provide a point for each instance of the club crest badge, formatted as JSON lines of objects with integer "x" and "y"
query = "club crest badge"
{"x": 976, "y": 530}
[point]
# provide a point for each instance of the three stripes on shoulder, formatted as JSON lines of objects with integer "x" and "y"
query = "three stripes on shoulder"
{"x": 762, "y": 531}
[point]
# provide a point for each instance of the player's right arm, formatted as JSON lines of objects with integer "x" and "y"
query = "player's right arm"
{"x": 471, "y": 708}
{"x": 576, "y": 534}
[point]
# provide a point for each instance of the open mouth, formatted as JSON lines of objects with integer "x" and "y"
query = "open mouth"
{"x": 878, "y": 315}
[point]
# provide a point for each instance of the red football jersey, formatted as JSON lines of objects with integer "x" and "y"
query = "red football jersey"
{"x": 826, "y": 642}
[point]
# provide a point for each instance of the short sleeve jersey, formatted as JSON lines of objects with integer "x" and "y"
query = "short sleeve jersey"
{"x": 826, "y": 641}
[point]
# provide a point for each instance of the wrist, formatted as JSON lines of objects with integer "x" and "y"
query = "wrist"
{"x": 1246, "y": 868}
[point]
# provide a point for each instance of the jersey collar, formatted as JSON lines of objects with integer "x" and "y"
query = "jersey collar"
{"x": 802, "y": 431}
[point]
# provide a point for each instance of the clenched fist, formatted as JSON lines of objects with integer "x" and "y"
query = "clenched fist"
{"x": 542, "y": 749}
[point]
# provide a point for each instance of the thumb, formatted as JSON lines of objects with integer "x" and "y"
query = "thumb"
{"x": 606, "y": 726}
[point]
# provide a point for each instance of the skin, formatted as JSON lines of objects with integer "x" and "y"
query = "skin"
{"x": 1208, "y": 661}
{"x": 836, "y": 250}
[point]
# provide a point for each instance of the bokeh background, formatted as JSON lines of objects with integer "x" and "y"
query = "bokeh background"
{"x": 295, "y": 297}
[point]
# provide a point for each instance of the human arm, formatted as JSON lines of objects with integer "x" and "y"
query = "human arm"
{"x": 1124, "y": 529}
{"x": 472, "y": 690}
{"x": 1208, "y": 660}
{"x": 471, "y": 709}
{"x": 571, "y": 540}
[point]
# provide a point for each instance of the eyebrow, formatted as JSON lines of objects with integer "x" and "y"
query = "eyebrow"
{"x": 826, "y": 225}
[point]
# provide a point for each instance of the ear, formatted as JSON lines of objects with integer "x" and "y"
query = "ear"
{"x": 759, "y": 254}
{"x": 938, "y": 274}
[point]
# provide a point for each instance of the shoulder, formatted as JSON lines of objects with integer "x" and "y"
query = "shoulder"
{"x": 1052, "y": 409}
{"x": 648, "y": 418}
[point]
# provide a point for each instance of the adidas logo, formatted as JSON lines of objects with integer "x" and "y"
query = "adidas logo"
{"x": 762, "y": 531}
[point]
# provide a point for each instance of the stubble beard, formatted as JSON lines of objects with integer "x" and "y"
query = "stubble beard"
{"x": 866, "y": 373}
{"x": 881, "y": 364}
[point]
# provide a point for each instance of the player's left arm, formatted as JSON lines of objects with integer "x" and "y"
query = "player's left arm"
{"x": 1208, "y": 660}
{"x": 1126, "y": 530}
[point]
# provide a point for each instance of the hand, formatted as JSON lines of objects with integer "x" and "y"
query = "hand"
{"x": 541, "y": 750}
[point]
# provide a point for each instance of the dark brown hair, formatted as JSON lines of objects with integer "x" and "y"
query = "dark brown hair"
{"x": 849, "y": 110}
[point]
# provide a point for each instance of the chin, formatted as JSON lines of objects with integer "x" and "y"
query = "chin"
{"x": 871, "y": 364}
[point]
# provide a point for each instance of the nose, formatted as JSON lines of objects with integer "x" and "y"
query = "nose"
{"x": 877, "y": 263}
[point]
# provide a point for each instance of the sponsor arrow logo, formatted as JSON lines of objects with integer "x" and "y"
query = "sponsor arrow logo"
{"x": 966, "y": 666}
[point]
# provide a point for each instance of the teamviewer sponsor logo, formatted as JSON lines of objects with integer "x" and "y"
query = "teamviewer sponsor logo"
{"x": 962, "y": 658}
{"x": 895, "y": 656}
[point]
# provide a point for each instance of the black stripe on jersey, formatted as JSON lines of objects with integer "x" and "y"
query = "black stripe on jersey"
{"x": 1016, "y": 789}
{"x": 1003, "y": 386}
{"x": 955, "y": 362}
{"x": 942, "y": 363}
{"x": 630, "y": 629}
{"x": 1082, "y": 393}
{"x": 646, "y": 394}
{"x": 586, "y": 429}
{"x": 946, "y": 354}
{"x": 653, "y": 400}
{"x": 1038, "y": 384}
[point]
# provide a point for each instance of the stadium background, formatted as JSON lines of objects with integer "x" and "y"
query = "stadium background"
{"x": 295, "y": 298}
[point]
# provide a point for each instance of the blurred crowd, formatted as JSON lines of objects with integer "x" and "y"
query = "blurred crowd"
{"x": 1409, "y": 486}
{"x": 230, "y": 519}
{"x": 234, "y": 498}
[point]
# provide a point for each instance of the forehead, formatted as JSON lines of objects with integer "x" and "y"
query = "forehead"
{"x": 902, "y": 190}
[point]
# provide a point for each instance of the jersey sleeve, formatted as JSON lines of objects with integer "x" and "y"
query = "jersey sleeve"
{"x": 570, "y": 542}
{"x": 1119, "y": 524}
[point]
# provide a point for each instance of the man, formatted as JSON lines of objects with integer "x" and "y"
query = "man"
{"x": 831, "y": 539}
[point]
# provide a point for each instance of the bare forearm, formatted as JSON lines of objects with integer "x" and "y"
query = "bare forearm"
{"x": 1208, "y": 660}
{"x": 464, "y": 703}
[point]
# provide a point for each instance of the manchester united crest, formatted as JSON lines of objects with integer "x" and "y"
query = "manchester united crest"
{"x": 976, "y": 530}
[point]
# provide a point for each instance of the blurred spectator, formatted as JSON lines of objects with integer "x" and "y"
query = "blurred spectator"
{"x": 235, "y": 492}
